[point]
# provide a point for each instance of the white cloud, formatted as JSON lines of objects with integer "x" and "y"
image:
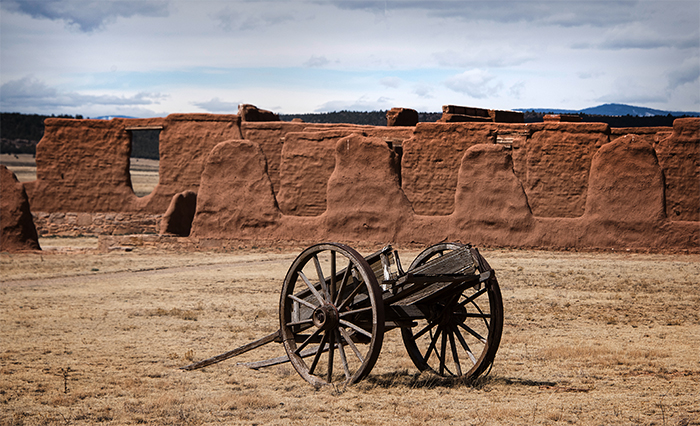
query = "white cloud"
{"x": 516, "y": 90}
{"x": 242, "y": 18}
{"x": 640, "y": 36}
{"x": 317, "y": 62}
{"x": 472, "y": 56}
{"x": 561, "y": 13}
{"x": 305, "y": 55}
{"x": 29, "y": 92}
{"x": 424, "y": 90}
{"x": 361, "y": 104}
{"x": 216, "y": 105}
{"x": 687, "y": 72}
{"x": 633, "y": 91}
{"x": 476, "y": 83}
{"x": 87, "y": 15}
{"x": 589, "y": 74}
{"x": 390, "y": 82}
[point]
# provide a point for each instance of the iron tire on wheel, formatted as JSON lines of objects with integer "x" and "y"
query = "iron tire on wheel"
{"x": 461, "y": 335}
{"x": 331, "y": 300}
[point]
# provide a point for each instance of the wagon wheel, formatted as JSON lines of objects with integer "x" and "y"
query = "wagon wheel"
{"x": 331, "y": 312}
{"x": 461, "y": 334}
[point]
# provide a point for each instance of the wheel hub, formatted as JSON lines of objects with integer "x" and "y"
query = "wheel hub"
{"x": 459, "y": 315}
{"x": 325, "y": 317}
{"x": 448, "y": 315}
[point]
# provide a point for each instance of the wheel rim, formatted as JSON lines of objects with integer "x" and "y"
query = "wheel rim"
{"x": 331, "y": 315}
{"x": 461, "y": 333}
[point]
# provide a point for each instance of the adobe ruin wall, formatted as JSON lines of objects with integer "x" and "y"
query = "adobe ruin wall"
{"x": 83, "y": 165}
{"x": 548, "y": 185}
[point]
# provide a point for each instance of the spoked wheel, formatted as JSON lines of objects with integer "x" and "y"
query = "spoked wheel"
{"x": 331, "y": 315}
{"x": 461, "y": 332}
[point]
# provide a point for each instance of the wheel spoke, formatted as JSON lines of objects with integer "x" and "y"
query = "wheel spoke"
{"x": 311, "y": 287}
{"x": 473, "y": 296}
{"x": 465, "y": 346}
{"x": 331, "y": 350}
{"x": 307, "y": 341}
{"x": 484, "y": 316}
{"x": 356, "y": 328}
{"x": 455, "y": 356}
{"x": 343, "y": 283}
{"x": 302, "y": 301}
{"x": 432, "y": 344}
{"x": 356, "y": 311}
{"x": 318, "y": 353}
{"x": 302, "y": 322}
{"x": 333, "y": 277}
{"x": 341, "y": 351}
{"x": 347, "y": 338}
{"x": 351, "y": 296}
{"x": 443, "y": 348}
{"x": 473, "y": 333}
{"x": 322, "y": 279}
{"x": 424, "y": 330}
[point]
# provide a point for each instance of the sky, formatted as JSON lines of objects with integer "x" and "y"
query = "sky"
{"x": 151, "y": 58}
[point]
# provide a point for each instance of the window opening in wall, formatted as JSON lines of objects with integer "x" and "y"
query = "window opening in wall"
{"x": 145, "y": 157}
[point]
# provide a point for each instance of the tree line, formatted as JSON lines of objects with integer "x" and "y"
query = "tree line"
{"x": 19, "y": 133}
{"x": 612, "y": 120}
{"x": 368, "y": 118}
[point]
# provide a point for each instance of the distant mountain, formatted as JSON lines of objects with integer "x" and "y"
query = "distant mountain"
{"x": 614, "y": 110}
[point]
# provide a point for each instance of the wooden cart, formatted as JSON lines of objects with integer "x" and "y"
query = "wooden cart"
{"x": 336, "y": 305}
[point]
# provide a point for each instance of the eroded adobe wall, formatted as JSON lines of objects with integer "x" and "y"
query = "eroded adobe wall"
{"x": 553, "y": 185}
{"x": 365, "y": 202}
{"x": 554, "y": 165}
{"x": 270, "y": 136}
{"x": 185, "y": 142}
{"x": 431, "y": 161}
{"x": 679, "y": 157}
{"x": 307, "y": 162}
{"x": 274, "y": 136}
{"x": 17, "y": 229}
{"x": 83, "y": 165}
{"x": 551, "y": 160}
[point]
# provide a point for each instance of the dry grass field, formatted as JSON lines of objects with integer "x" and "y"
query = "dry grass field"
{"x": 144, "y": 175}
{"x": 97, "y": 338}
{"x": 22, "y": 165}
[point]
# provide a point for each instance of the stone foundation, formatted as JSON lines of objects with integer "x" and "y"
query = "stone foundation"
{"x": 74, "y": 224}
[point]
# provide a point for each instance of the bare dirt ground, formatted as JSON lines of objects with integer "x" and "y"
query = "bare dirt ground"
{"x": 97, "y": 338}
